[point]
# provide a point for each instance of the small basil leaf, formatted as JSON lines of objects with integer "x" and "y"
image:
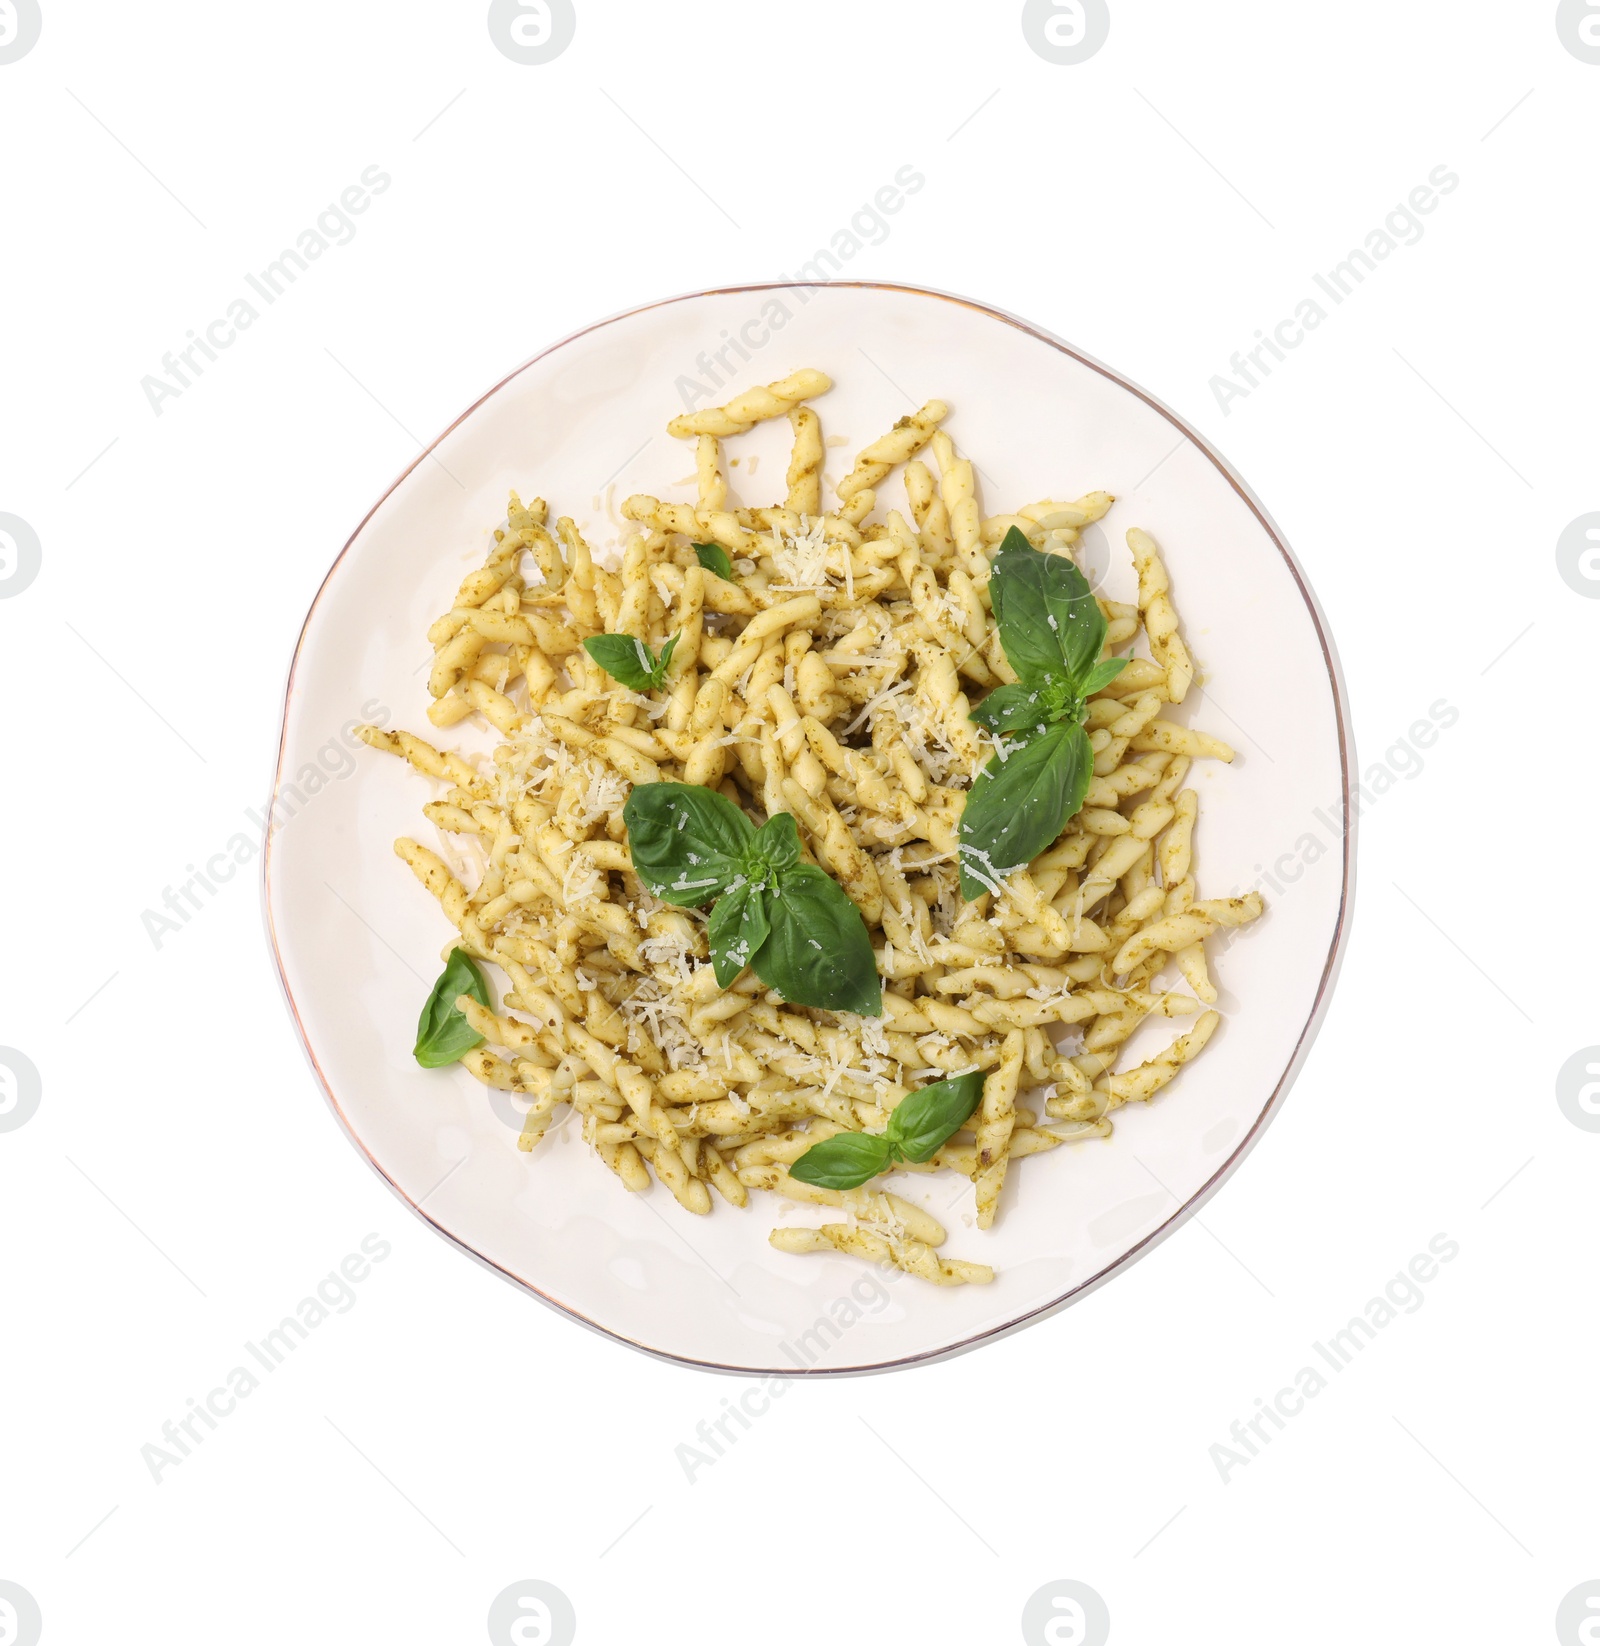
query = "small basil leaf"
{"x": 818, "y": 952}
{"x": 1015, "y": 708}
{"x": 443, "y": 1034}
{"x": 1102, "y": 674}
{"x": 1050, "y": 624}
{"x": 715, "y": 559}
{"x": 737, "y": 928}
{"x": 687, "y": 843}
{"x": 930, "y": 1117}
{"x": 628, "y": 661}
{"x": 844, "y": 1161}
{"x": 777, "y": 842}
{"x": 1018, "y": 806}
{"x": 658, "y": 675}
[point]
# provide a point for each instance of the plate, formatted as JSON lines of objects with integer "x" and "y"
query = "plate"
{"x": 357, "y": 942}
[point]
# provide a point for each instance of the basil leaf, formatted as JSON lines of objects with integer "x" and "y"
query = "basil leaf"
{"x": 1051, "y": 626}
{"x": 1017, "y": 807}
{"x": 1102, "y": 674}
{"x": 818, "y": 952}
{"x": 688, "y": 843}
{"x": 628, "y": 661}
{"x": 922, "y": 1124}
{"x": 843, "y": 1161}
{"x": 737, "y": 928}
{"x": 443, "y": 1034}
{"x": 777, "y": 842}
{"x": 1015, "y": 708}
{"x": 929, "y": 1118}
{"x": 715, "y": 559}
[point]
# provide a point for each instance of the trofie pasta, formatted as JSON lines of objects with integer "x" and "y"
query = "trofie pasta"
{"x": 817, "y": 694}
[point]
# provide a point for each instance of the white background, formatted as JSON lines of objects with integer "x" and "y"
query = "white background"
{"x": 183, "y": 1185}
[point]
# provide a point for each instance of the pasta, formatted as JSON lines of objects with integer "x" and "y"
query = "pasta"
{"x": 832, "y": 678}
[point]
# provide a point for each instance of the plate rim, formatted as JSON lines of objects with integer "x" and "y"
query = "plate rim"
{"x": 1325, "y": 983}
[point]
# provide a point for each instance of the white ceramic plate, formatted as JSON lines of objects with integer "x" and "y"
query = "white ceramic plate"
{"x": 358, "y": 942}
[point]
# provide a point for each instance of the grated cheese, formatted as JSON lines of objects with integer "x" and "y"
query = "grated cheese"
{"x": 802, "y": 558}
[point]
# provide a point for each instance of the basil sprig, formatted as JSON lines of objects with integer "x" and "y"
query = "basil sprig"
{"x": 443, "y": 1034}
{"x": 715, "y": 559}
{"x": 1052, "y": 631}
{"x": 787, "y": 920}
{"x": 922, "y": 1124}
{"x": 629, "y": 661}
